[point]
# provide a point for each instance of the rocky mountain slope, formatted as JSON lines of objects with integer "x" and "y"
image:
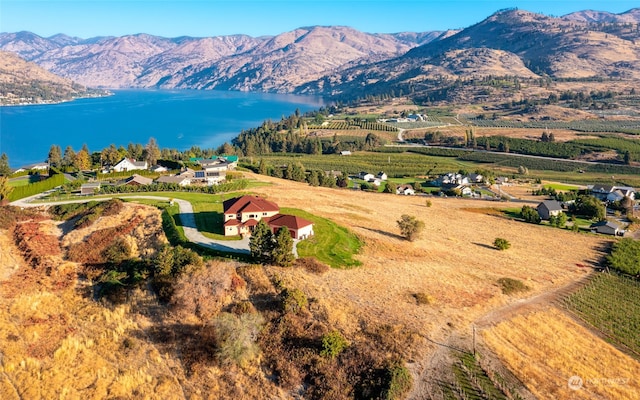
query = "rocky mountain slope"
{"x": 508, "y": 43}
{"x": 341, "y": 61}
{"x": 24, "y": 82}
{"x": 238, "y": 62}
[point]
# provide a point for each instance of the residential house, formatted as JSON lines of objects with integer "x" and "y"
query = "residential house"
{"x": 607, "y": 228}
{"x": 89, "y": 188}
{"x": 32, "y": 167}
{"x": 129, "y": 164}
{"x": 175, "y": 179}
{"x": 460, "y": 189}
{"x": 375, "y": 182}
{"x": 451, "y": 179}
{"x": 607, "y": 192}
{"x": 475, "y": 178}
{"x": 137, "y": 180}
{"x": 365, "y": 176}
{"x": 405, "y": 189}
{"x": 159, "y": 169}
{"x": 218, "y": 164}
{"x": 548, "y": 208}
{"x": 382, "y": 176}
{"x": 242, "y": 214}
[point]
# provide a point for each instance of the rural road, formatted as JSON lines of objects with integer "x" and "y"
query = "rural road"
{"x": 186, "y": 217}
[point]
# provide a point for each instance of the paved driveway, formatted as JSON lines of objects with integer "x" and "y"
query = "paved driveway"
{"x": 186, "y": 217}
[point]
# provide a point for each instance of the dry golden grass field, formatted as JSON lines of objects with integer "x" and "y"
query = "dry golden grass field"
{"x": 546, "y": 348}
{"x": 58, "y": 342}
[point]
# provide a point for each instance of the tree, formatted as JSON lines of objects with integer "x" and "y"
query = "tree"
{"x": 261, "y": 243}
{"x": 55, "y": 156}
{"x": 152, "y": 151}
{"x": 282, "y": 248}
{"x": 590, "y": 207}
{"x": 390, "y": 187}
{"x": 501, "y": 244}
{"x": 5, "y": 188}
{"x": 262, "y": 167}
{"x": 135, "y": 151}
{"x": 530, "y": 215}
{"x": 82, "y": 161}
{"x": 110, "y": 155}
{"x": 313, "y": 179}
{"x": 5, "y": 170}
{"x": 410, "y": 227}
{"x": 559, "y": 220}
{"x": 69, "y": 157}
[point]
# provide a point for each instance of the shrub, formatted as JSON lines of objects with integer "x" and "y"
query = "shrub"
{"x": 312, "y": 265}
{"x": 236, "y": 337}
{"x": 423, "y": 298}
{"x": 510, "y": 286}
{"x": 400, "y": 381}
{"x": 428, "y": 203}
{"x": 333, "y": 343}
{"x": 293, "y": 300}
{"x": 410, "y": 227}
{"x": 501, "y": 244}
{"x": 117, "y": 252}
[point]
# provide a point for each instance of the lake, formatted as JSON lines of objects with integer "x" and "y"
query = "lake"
{"x": 175, "y": 118}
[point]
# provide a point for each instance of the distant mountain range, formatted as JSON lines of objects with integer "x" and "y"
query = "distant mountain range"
{"x": 342, "y": 61}
{"x": 237, "y": 62}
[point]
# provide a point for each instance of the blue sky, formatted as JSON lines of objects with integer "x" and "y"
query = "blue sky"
{"x": 171, "y": 18}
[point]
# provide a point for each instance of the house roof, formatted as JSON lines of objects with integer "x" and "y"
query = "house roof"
{"x": 290, "y": 221}
{"x": 249, "y": 204}
{"x": 609, "y": 224}
{"x": 172, "y": 179}
{"x": 139, "y": 180}
{"x": 551, "y": 205}
{"x": 90, "y": 185}
{"x": 602, "y": 188}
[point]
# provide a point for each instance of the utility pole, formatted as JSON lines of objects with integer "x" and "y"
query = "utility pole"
{"x": 474, "y": 340}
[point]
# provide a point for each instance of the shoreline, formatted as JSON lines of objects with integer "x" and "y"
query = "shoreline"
{"x": 46, "y": 103}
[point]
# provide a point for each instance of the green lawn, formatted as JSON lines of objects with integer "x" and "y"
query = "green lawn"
{"x": 560, "y": 186}
{"x": 24, "y": 180}
{"x": 332, "y": 244}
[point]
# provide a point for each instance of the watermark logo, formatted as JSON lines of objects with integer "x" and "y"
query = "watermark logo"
{"x": 575, "y": 382}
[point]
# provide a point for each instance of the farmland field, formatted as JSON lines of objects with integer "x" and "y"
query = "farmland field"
{"x": 546, "y": 348}
{"x": 611, "y": 304}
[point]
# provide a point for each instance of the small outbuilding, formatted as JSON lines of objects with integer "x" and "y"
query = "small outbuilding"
{"x": 89, "y": 188}
{"x": 549, "y": 208}
{"x": 606, "y": 228}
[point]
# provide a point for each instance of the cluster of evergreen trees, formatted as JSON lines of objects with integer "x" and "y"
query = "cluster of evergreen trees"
{"x": 296, "y": 171}
{"x": 270, "y": 248}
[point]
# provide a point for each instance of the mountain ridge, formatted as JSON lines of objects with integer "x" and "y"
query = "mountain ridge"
{"x": 329, "y": 60}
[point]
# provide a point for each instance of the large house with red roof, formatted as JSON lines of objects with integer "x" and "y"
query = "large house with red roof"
{"x": 242, "y": 214}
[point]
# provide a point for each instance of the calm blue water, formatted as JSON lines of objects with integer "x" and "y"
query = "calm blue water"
{"x": 176, "y": 119}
